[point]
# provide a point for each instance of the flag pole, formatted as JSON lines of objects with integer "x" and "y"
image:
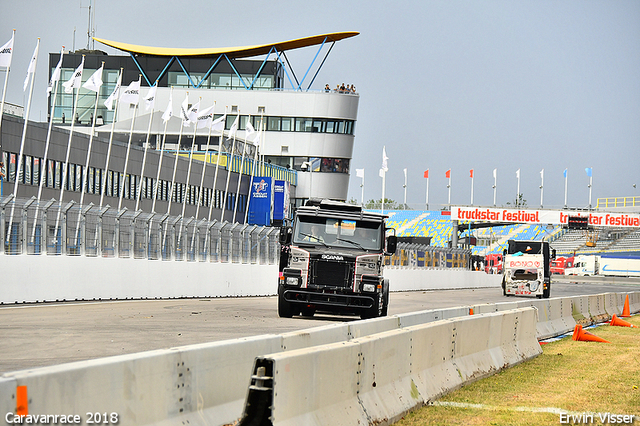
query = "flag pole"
{"x": 126, "y": 158}
{"x": 541, "y": 186}
{"x": 164, "y": 138}
{"x": 103, "y": 187}
{"x": 43, "y": 167}
{"x": 565, "y": 188}
{"x": 405, "y": 189}
{"x": 66, "y": 160}
{"x": 183, "y": 115}
{"x": 144, "y": 156}
{"x": 229, "y": 167}
{"x": 86, "y": 167}
{"x": 427, "y": 195}
{"x": 244, "y": 150}
{"x": 590, "y": 186}
{"x": 471, "y": 186}
{"x": 449, "y": 190}
{"x": 215, "y": 176}
{"x": 518, "y": 190}
{"x": 362, "y": 189}
{"x": 24, "y": 134}
{"x": 254, "y": 168}
{"x": 6, "y": 79}
{"x": 193, "y": 144}
{"x": 495, "y": 185}
{"x": 384, "y": 174}
{"x": 204, "y": 164}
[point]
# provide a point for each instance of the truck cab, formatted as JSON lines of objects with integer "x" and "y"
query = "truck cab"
{"x": 332, "y": 260}
{"x": 526, "y": 269}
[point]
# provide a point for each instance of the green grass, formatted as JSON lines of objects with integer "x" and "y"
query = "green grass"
{"x": 578, "y": 377}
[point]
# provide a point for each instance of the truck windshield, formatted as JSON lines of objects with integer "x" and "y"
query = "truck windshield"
{"x": 332, "y": 232}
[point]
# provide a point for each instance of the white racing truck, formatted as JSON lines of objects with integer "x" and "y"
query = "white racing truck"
{"x": 332, "y": 260}
{"x": 526, "y": 269}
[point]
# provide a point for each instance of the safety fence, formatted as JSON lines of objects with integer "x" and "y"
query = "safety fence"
{"x": 413, "y": 255}
{"x": 91, "y": 231}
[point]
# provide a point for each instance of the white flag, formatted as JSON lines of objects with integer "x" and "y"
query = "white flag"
{"x": 218, "y": 124}
{"x": 360, "y": 173}
{"x": 150, "y": 99}
{"x": 55, "y": 76}
{"x": 131, "y": 94}
{"x": 495, "y": 173}
{"x": 205, "y": 117}
{"x": 184, "y": 110}
{"x": 75, "y": 80}
{"x": 95, "y": 81}
{"x": 518, "y": 173}
{"x": 251, "y": 135}
{"x": 234, "y": 128}
{"x": 381, "y": 173}
{"x": 114, "y": 95}
{"x": 6, "y": 52}
{"x": 192, "y": 114}
{"x": 168, "y": 112}
{"x": 384, "y": 159}
{"x": 32, "y": 66}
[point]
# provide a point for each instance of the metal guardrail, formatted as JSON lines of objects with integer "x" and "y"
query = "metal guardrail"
{"x": 423, "y": 256}
{"x": 52, "y": 229}
{"x": 55, "y": 230}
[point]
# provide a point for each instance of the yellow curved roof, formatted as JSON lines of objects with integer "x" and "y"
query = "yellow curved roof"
{"x": 235, "y": 52}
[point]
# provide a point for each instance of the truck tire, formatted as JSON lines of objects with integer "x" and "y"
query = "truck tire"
{"x": 504, "y": 287}
{"x": 285, "y": 309}
{"x": 374, "y": 311}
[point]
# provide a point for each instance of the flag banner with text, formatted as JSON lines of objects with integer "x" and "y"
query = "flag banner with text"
{"x": 553, "y": 217}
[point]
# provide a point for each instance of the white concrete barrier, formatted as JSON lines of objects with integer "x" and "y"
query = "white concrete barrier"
{"x": 56, "y": 278}
{"x": 377, "y": 378}
{"x": 436, "y": 279}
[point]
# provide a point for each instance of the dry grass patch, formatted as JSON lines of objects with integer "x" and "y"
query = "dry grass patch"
{"x": 573, "y": 376}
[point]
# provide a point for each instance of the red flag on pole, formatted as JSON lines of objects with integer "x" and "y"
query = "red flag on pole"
{"x": 471, "y": 173}
{"x": 448, "y": 174}
{"x": 426, "y": 174}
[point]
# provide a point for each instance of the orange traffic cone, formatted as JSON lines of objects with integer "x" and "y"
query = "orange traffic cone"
{"x": 580, "y": 335}
{"x": 625, "y": 310}
{"x": 619, "y": 322}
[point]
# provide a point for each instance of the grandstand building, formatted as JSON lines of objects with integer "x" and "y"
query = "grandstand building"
{"x": 310, "y": 132}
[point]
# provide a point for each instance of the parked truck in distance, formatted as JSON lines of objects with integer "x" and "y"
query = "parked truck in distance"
{"x": 605, "y": 265}
{"x": 332, "y": 261}
{"x": 526, "y": 269}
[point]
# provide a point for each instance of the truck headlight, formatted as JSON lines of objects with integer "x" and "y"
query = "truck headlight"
{"x": 369, "y": 288}
{"x": 292, "y": 281}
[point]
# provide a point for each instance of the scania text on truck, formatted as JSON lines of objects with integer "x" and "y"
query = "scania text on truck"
{"x": 332, "y": 260}
{"x": 526, "y": 269}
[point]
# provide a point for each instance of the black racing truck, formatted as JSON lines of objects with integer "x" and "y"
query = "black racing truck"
{"x": 332, "y": 259}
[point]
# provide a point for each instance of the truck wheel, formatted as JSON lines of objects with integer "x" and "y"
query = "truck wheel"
{"x": 504, "y": 288}
{"x": 285, "y": 310}
{"x": 374, "y": 311}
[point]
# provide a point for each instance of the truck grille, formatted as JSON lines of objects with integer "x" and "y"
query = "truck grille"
{"x": 332, "y": 274}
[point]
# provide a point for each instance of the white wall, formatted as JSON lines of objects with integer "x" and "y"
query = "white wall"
{"x": 50, "y": 278}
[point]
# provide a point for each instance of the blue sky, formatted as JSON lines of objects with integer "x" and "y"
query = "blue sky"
{"x": 447, "y": 84}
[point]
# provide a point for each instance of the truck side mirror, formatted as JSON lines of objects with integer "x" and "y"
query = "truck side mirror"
{"x": 504, "y": 252}
{"x": 285, "y": 235}
{"x": 553, "y": 253}
{"x": 392, "y": 243}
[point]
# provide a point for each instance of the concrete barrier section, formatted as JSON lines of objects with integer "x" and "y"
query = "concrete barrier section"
{"x": 377, "y": 378}
{"x": 207, "y": 382}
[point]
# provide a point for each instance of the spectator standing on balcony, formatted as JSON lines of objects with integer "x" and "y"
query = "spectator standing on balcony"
{"x": 327, "y": 88}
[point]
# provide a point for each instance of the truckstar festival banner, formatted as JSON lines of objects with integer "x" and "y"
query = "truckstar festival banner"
{"x": 554, "y": 217}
